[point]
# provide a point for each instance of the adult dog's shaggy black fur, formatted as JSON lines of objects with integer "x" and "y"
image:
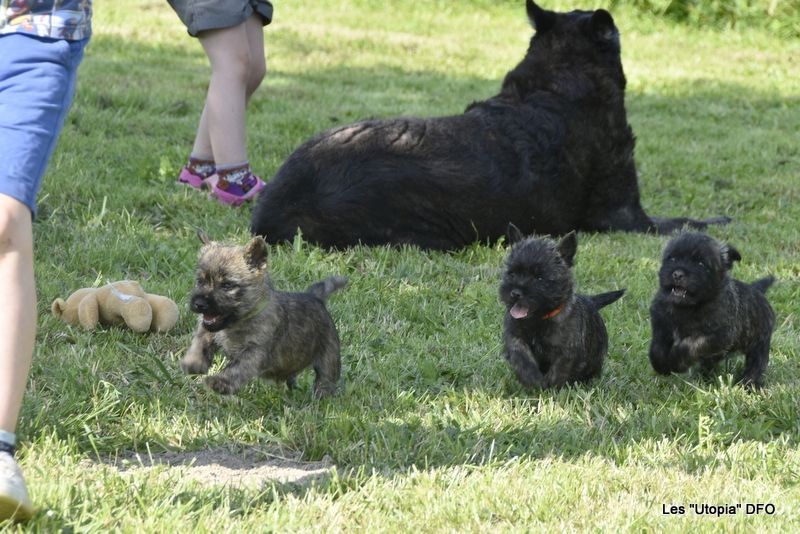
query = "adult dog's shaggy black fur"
{"x": 700, "y": 315}
{"x": 552, "y": 152}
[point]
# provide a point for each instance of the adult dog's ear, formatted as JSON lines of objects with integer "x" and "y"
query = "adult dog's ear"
{"x": 540, "y": 19}
{"x": 602, "y": 26}
{"x": 728, "y": 254}
{"x": 514, "y": 234}
{"x": 567, "y": 247}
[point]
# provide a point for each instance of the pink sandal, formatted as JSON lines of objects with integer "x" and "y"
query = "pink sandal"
{"x": 196, "y": 181}
{"x": 235, "y": 194}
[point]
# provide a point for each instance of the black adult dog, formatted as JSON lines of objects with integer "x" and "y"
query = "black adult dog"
{"x": 553, "y": 152}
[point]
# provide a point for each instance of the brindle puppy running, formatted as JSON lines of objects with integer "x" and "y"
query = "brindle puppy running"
{"x": 700, "y": 315}
{"x": 262, "y": 331}
{"x": 552, "y": 336}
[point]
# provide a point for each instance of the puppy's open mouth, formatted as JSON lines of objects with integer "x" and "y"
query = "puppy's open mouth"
{"x": 679, "y": 292}
{"x": 211, "y": 320}
{"x": 519, "y": 311}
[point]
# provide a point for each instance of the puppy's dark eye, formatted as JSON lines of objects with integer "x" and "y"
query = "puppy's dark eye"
{"x": 227, "y": 286}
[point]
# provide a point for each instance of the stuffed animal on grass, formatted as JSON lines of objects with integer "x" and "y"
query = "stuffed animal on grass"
{"x": 118, "y": 303}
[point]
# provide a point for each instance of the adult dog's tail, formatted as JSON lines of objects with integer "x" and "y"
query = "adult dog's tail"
{"x": 324, "y": 288}
{"x": 763, "y": 284}
{"x": 604, "y": 299}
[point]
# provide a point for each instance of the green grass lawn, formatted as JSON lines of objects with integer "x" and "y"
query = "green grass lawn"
{"x": 430, "y": 432}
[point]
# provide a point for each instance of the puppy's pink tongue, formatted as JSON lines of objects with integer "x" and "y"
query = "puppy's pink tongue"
{"x": 519, "y": 311}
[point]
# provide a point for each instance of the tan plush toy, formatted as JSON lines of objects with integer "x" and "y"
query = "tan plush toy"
{"x": 118, "y": 303}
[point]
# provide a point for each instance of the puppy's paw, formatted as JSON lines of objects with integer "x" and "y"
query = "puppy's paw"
{"x": 322, "y": 391}
{"x": 220, "y": 384}
{"x": 192, "y": 366}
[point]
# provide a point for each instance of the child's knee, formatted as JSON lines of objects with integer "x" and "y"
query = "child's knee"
{"x": 240, "y": 68}
{"x": 232, "y": 63}
{"x": 15, "y": 226}
{"x": 258, "y": 65}
{"x": 255, "y": 76}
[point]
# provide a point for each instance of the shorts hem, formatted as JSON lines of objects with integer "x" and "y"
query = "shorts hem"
{"x": 30, "y": 203}
{"x": 196, "y": 24}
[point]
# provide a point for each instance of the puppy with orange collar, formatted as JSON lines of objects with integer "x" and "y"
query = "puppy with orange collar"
{"x": 552, "y": 335}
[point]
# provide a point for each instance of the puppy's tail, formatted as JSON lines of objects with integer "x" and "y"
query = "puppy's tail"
{"x": 604, "y": 299}
{"x": 324, "y": 288}
{"x": 763, "y": 284}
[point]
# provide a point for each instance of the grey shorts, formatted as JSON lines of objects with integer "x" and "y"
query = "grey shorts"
{"x": 201, "y": 15}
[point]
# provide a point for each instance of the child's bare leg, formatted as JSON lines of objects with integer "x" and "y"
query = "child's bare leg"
{"x": 18, "y": 313}
{"x": 224, "y": 46}
{"x": 258, "y": 62}
{"x": 224, "y": 113}
{"x": 202, "y": 141}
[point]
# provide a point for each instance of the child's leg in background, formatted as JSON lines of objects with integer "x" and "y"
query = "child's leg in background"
{"x": 229, "y": 55}
{"x": 258, "y": 62}
{"x": 237, "y": 68}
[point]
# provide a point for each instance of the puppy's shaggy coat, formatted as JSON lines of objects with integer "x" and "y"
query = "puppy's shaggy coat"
{"x": 700, "y": 315}
{"x": 552, "y": 336}
{"x": 262, "y": 331}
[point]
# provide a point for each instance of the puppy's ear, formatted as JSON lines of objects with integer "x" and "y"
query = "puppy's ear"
{"x": 514, "y": 234}
{"x": 729, "y": 255}
{"x": 203, "y": 236}
{"x": 255, "y": 254}
{"x": 540, "y": 19}
{"x": 567, "y": 247}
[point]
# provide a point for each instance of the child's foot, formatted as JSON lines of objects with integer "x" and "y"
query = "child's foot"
{"x": 235, "y": 186}
{"x": 14, "y": 501}
{"x": 197, "y": 173}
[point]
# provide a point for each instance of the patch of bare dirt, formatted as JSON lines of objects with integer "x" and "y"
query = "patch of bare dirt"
{"x": 242, "y": 467}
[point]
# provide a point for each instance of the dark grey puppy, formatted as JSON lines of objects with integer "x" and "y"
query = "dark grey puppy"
{"x": 700, "y": 315}
{"x": 262, "y": 331}
{"x": 552, "y": 336}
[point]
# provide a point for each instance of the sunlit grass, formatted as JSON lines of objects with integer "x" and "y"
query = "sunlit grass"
{"x": 430, "y": 432}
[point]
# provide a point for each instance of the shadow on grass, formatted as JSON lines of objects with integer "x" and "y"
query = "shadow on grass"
{"x": 137, "y": 106}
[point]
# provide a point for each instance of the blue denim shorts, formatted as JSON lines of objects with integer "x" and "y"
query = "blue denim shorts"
{"x": 37, "y": 81}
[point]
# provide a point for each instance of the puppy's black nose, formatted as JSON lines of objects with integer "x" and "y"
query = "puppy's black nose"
{"x": 678, "y": 275}
{"x": 199, "y": 304}
{"x": 516, "y": 293}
